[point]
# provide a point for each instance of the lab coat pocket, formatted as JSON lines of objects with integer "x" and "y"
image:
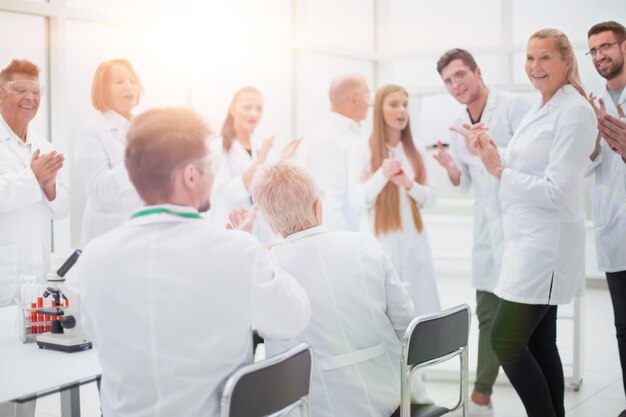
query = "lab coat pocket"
{"x": 601, "y": 206}
{"x": 8, "y": 273}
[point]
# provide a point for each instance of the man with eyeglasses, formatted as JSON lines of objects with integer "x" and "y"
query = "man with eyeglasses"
{"x": 31, "y": 190}
{"x": 607, "y": 48}
{"x": 169, "y": 301}
{"x": 328, "y": 147}
{"x": 501, "y": 113}
{"x": 31, "y": 194}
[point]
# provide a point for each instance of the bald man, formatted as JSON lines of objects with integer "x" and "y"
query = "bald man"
{"x": 328, "y": 147}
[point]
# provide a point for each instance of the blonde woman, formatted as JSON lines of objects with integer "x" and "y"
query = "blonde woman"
{"x": 541, "y": 183}
{"x": 241, "y": 153}
{"x": 99, "y": 154}
{"x": 389, "y": 183}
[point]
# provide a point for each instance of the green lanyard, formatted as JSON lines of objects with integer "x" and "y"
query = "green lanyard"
{"x": 159, "y": 210}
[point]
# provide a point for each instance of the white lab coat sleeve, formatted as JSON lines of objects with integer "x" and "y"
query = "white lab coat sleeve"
{"x": 60, "y": 206}
{"x": 363, "y": 193}
{"x": 373, "y": 186}
{"x": 424, "y": 195}
{"x": 280, "y": 306}
{"x": 569, "y": 153}
{"x": 228, "y": 190}
{"x": 399, "y": 305}
{"x": 328, "y": 166}
{"x": 517, "y": 111}
{"x": 19, "y": 189}
{"x": 456, "y": 140}
{"x": 103, "y": 182}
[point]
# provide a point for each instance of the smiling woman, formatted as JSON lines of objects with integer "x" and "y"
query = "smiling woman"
{"x": 99, "y": 153}
{"x": 541, "y": 183}
{"x": 549, "y": 66}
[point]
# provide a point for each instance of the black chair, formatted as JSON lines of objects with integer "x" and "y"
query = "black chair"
{"x": 275, "y": 385}
{"x": 429, "y": 340}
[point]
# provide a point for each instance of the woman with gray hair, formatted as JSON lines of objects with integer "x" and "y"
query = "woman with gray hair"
{"x": 359, "y": 307}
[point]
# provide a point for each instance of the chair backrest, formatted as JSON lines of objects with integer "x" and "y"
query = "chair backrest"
{"x": 279, "y": 383}
{"x": 437, "y": 335}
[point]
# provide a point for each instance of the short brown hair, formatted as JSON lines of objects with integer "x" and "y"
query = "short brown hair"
{"x": 159, "y": 141}
{"x": 100, "y": 87}
{"x": 618, "y": 30}
{"x": 18, "y": 66}
{"x": 453, "y": 54}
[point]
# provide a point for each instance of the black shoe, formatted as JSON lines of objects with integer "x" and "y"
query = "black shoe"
{"x": 622, "y": 414}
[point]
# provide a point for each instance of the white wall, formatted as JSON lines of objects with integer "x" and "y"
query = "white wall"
{"x": 198, "y": 53}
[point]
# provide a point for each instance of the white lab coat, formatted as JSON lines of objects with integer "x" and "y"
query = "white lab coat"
{"x": 608, "y": 201}
{"x": 408, "y": 250}
{"x": 229, "y": 191}
{"x": 99, "y": 158}
{"x": 502, "y": 114}
{"x": 170, "y": 303}
{"x": 327, "y": 153}
{"x": 542, "y": 208}
{"x": 25, "y": 213}
{"x": 360, "y": 311}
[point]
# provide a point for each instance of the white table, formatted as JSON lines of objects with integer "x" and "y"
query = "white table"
{"x": 28, "y": 372}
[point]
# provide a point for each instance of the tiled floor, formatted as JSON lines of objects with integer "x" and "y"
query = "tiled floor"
{"x": 601, "y": 393}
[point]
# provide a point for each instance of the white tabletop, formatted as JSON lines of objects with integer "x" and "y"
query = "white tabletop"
{"x": 28, "y": 371}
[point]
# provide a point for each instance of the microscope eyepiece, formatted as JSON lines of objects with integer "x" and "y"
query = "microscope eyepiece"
{"x": 67, "y": 265}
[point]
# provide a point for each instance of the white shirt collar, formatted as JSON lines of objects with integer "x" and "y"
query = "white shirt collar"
{"x": 340, "y": 118}
{"x": 305, "y": 233}
{"x": 115, "y": 120}
{"x": 9, "y": 133}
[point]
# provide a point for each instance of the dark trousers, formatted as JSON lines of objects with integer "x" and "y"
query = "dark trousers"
{"x": 524, "y": 340}
{"x": 617, "y": 289}
{"x": 487, "y": 370}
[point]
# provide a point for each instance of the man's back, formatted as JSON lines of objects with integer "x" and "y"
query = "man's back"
{"x": 327, "y": 161}
{"x": 169, "y": 306}
{"x": 359, "y": 308}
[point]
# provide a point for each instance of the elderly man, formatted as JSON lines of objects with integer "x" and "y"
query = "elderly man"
{"x": 501, "y": 113}
{"x": 607, "y": 48}
{"x": 31, "y": 192}
{"x": 169, "y": 302}
{"x": 359, "y": 306}
{"x": 328, "y": 148}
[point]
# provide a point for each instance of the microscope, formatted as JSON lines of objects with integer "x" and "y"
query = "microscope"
{"x": 67, "y": 334}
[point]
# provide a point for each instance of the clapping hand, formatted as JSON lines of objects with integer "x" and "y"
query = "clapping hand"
{"x": 487, "y": 150}
{"x": 242, "y": 219}
{"x": 291, "y": 148}
{"x": 264, "y": 150}
{"x": 613, "y": 131}
{"x": 464, "y": 131}
{"x": 45, "y": 167}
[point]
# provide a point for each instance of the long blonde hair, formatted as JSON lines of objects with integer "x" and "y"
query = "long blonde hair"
{"x": 387, "y": 208}
{"x": 563, "y": 45}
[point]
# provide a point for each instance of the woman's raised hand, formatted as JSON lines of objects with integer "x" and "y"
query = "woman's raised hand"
{"x": 264, "y": 150}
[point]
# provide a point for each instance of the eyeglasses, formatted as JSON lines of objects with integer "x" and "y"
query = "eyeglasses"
{"x": 457, "y": 77}
{"x": 209, "y": 163}
{"x": 22, "y": 87}
{"x": 604, "y": 48}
